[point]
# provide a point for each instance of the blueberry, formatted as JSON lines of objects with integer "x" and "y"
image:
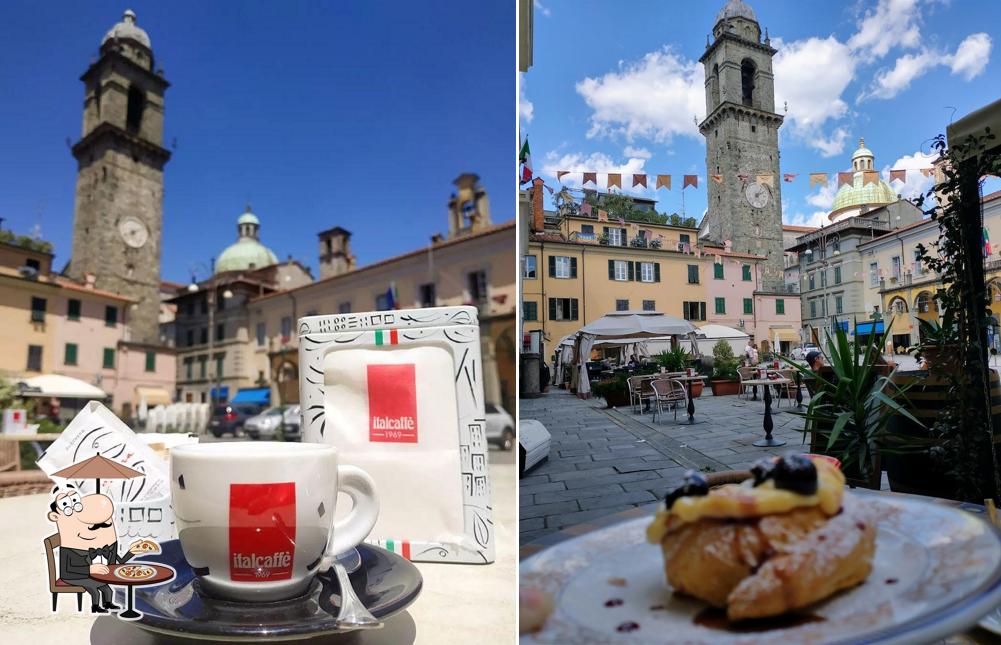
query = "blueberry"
{"x": 796, "y": 473}
{"x": 694, "y": 484}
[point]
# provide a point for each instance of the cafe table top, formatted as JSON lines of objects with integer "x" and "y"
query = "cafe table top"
{"x": 458, "y": 604}
{"x": 973, "y": 636}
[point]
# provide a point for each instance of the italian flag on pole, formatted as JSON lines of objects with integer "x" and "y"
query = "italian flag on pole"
{"x": 525, "y": 159}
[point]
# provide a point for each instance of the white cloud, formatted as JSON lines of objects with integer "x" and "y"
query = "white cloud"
{"x": 655, "y": 97}
{"x": 971, "y": 56}
{"x": 542, "y": 9}
{"x": 576, "y": 163}
{"x": 916, "y": 184}
{"x": 810, "y": 77}
{"x": 642, "y": 153}
{"x": 894, "y": 23}
{"x": 816, "y": 219}
{"x": 823, "y": 198}
{"x": 832, "y": 145}
{"x": 890, "y": 82}
{"x": 525, "y": 108}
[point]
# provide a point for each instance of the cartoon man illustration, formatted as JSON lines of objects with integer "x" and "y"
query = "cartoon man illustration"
{"x": 87, "y": 532}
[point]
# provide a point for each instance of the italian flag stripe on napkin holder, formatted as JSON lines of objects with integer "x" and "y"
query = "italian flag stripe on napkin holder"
{"x": 381, "y": 387}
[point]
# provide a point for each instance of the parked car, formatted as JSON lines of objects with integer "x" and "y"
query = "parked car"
{"x": 266, "y": 424}
{"x": 533, "y": 445}
{"x": 230, "y": 418}
{"x": 500, "y": 427}
{"x": 800, "y": 352}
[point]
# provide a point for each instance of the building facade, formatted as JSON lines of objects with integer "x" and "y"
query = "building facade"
{"x": 741, "y": 130}
{"x": 53, "y": 325}
{"x": 118, "y": 212}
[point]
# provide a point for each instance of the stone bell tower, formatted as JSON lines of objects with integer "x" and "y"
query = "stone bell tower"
{"x": 742, "y": 141}
{"x": 118, "y": 212}
{"x": 469, "y": 207}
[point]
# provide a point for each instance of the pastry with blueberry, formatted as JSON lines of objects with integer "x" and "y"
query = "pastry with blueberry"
{"x": 779, "y": 541}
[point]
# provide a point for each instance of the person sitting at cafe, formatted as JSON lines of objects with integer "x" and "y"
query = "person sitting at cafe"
{"x": 815, "y": 360}
{"x": 633, "y": 362}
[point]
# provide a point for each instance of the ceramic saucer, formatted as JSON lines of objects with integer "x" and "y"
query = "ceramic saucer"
{"x": 383, "y": 581}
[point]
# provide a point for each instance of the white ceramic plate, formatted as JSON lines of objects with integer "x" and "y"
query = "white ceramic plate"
{"x": 936, "y": 572}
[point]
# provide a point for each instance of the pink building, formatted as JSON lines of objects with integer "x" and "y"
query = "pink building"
{"x": 735, "y": 299}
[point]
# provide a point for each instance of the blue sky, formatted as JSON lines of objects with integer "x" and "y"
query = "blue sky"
{"x": 357, "y": 114}
{"x": 615, "y": 88}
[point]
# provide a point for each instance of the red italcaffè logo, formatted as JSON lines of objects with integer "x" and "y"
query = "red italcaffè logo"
{"x": 261, "y": 531}
{"x": 392, "y": 403}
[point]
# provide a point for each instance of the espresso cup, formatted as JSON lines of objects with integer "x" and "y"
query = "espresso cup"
{"x": 256, "y": 520}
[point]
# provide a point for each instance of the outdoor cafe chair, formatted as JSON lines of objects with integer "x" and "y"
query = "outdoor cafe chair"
{"x": 668, "y": 391}
{"x": 787, "y": 389}
{"x": 58, "y": 585}
{"x": 639, "y": 391}
{"x": 744, "y": 374}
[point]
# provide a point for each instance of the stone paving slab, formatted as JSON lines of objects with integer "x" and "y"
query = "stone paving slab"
{"x": 603, "y": 461}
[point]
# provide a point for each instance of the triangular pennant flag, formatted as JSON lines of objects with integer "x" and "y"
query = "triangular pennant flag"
{"x": 743, "y": 178}
{"x": 926, "y": 171}
{"x": 717, "y": 178}
{"x": 845, "y": 178}
{"x": 870, "y": 177}
{"x": 639, "y": 180}
{"x": 551, "y": 191}
{"x": 690, "y": 180}
{"x": 767, "y": 179}
{"x": 590, "y": 177}
{"x": 585, "y": 209}
{"x": 602, "y": 215}
{"x": 789, "y": 176}
{"x": 898, "y": 174}
{"x": 561, "y": 173}
{"x": 818, "y": 178}
{"x": 664, "y": 181}
{"x": 614, "y": 179}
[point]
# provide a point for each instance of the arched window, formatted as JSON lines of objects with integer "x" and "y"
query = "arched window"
{"x": 924, "y": 303}
{"x": 136, "y": 105}
{"x": 747, "y": 71}
{"x": 898, "y": 306}
{"x": 714, "y": 86}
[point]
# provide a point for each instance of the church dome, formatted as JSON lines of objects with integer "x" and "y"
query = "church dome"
{"x": 247, "y": 253}
{"x": 850, "y": 198}
{"x": 127, "y": 29}
{"x": 736, "y": 9}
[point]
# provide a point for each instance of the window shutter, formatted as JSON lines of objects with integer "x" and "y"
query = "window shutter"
{"x": 573, "y": 267}
{"x": 611, "y": 269}
{"x": 552, "y": 266}
{"x": 622, "y": 239}
{"x": 702, "y": 311}
{"x": 573, "y": 309}
{"x": 656, "y": 271}
{"x": 604, "y": 230}
{"x": 552, "y": 309}
{"x": 631, "y": 275}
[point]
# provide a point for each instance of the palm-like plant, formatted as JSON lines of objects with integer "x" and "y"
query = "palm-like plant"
{"x": 853, "y": 403}
{"x": 674, "y": 360}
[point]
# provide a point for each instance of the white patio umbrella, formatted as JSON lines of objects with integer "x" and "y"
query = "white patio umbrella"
{"x": 624, "y": 325}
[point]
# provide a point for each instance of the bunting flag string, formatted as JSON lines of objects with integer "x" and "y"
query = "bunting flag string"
{"x": 614, "y": 179}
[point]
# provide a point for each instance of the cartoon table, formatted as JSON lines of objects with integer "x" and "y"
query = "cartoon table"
{"x": 163, "y": 574}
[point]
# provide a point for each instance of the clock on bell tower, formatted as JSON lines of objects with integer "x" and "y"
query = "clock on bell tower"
{"x": 118, "y": 212}
{"x": 742, "y": 141}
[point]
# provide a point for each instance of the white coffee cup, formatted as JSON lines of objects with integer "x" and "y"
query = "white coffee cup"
{"x": 256, "y": 520}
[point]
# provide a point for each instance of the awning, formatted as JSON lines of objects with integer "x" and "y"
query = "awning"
{"x": 257, "y": 395}
{"x": 220, "y": 393}
{"x": 60, "y": 387}
{"x": 786, "y": 334}
{"x": 869, "y": 328}
{"x": 153, "y": 396}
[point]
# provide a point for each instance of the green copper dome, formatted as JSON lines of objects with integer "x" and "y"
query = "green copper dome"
{"x": 851, "y": 197}
{"x": 247, "y": 253}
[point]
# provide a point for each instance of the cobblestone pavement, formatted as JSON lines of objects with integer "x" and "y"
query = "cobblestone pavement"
{"x": 604, "y": 461}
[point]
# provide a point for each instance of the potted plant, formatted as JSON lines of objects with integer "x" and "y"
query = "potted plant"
{"x": 725, "y": 379}
{"x": 603, "y": 239}
{"x": 852, "y": 405}
{"x": 677, "y": 360}
{"x": 940, "y": 341}
{"x": 614, "y": 390}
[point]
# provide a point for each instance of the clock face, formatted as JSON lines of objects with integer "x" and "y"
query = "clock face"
{"x": 757, "y": 195}
{"x": 133, "y": 232}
